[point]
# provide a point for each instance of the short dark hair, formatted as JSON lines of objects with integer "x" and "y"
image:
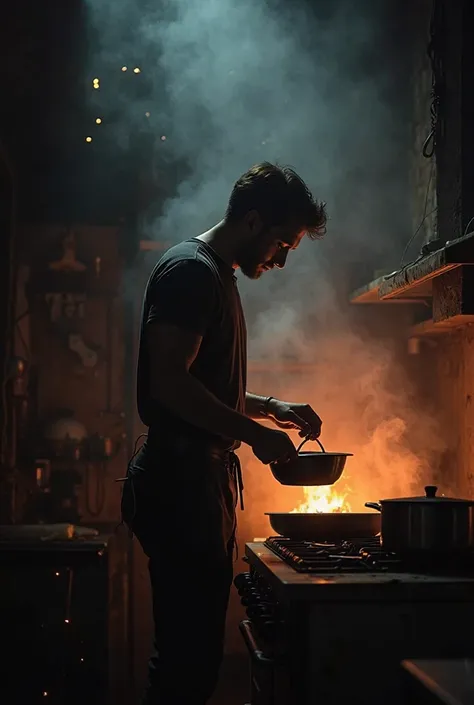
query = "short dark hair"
{"x": 280, "y": 196}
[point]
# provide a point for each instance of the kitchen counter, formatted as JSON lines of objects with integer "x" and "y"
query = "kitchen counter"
{"x": 290, "y": 584}
{"x": 54, "y": 544}
{"x": 450, "y": 682}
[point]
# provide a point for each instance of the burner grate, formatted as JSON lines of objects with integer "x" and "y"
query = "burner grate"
{"x": 349, "y": 556}
{"x": 364, "y": 555}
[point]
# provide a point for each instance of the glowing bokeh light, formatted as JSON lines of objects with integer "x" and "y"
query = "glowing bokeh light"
{"x": 136, "y": 70}
{"x": 124, "y": 68}
{"x": 147, "y": 114}
{"x": 98, "y": 121}
{"x": 163, "y": 138}
{"x": 88, "y": 139}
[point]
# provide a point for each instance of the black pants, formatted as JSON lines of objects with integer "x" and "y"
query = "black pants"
{"x": 180, "y": 504}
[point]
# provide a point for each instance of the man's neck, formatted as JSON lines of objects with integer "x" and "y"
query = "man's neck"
{"x": 222, "y": 239}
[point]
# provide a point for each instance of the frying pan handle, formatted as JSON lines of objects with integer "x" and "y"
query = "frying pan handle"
{"x": 305, "y": 440}
{"x": 374, "y": 505}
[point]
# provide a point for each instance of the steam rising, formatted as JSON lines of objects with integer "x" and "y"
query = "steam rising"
{"x": 234, "y": 83}
{"x": 369, "y": 407}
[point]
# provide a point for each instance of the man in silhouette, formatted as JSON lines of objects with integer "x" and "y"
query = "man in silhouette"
{"x": 183, "y": 486}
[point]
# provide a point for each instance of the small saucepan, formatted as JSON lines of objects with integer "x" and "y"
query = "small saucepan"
{"x": 310, "y": 468}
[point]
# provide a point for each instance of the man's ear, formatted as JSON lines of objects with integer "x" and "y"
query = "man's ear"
{"x": 253, "y": 221}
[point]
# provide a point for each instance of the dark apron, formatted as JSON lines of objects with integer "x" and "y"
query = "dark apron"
{"x": 180, "y": 489}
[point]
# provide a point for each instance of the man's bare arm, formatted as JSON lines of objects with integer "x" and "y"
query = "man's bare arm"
{"x": 172, "y": 351}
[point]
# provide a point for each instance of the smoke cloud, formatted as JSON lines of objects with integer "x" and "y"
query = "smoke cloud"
{"x": 230, "y": 84}
{"x": 317, "y": 86}
{"x": 370, "y": 407}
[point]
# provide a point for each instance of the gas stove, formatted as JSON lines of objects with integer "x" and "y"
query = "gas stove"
{"x": 352, "y": 555}
{"x": 319, "y": 612}
{"x": 364, "y": 556}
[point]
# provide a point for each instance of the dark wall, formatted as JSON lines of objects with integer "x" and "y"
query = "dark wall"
{"x": 46, "y": 115}
{"x": 7, "y": 224}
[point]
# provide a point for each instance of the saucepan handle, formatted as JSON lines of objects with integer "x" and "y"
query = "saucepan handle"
{"x": 374, "y": 505}
{"x": 305, "y": 440}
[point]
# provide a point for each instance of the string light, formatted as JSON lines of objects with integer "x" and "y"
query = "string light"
{"x": 163, "y": 138}
{"x": 147, "y": 114}
{"x": 98, "y": 121}
{"x": 56, "y": 573}
{"x": 96, "y": 83}
{"x": 136, "y": 70}
{"x": 124, "y": 68}
{"x": 88, "y": 139}
{"x": 66, "y": 621}
{"x": 45, "y": 693}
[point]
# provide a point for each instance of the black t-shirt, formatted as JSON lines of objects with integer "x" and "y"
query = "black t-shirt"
{"x": 193, "y": 288}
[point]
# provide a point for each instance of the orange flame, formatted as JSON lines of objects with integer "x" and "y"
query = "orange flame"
{"x": 319, "y": 500}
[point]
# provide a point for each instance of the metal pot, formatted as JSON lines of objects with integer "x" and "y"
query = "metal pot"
{"x": 427, "y": 524}
{"x": 310, "y": 468}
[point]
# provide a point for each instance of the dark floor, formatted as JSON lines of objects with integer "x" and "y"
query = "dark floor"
{"x": 233, "y": 688}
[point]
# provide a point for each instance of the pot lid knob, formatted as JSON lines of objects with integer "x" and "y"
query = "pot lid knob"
{"x": 430, "y": 491}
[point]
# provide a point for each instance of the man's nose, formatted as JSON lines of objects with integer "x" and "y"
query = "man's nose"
{"x": 280, "y": 259}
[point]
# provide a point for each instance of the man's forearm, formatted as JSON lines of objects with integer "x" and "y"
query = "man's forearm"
{"x": 256, "y": 406}
{"x": 186, "y": 397}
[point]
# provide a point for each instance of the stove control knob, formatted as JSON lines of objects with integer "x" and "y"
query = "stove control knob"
{"x": 258, "y": 612}
{"x": 243, "y": 580}
{"x": 251, "y": 598}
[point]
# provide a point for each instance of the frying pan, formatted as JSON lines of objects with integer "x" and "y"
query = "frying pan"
{"x": 310, "y": 469}
{"x": 325, "y": 526}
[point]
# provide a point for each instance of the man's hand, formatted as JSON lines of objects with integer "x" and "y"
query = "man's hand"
{"x": 271, "y": 446}
{"x": 290, "y": 415}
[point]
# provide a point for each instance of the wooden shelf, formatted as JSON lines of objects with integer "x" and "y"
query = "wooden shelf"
{"x": 430, "y": 328}
{"x": 367, "y": 294}
{"x": 413, "y": 284}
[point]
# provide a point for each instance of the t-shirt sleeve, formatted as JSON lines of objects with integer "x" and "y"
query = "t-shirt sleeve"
{"x": 184, "y": 296}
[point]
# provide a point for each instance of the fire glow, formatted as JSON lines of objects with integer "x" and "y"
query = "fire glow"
{"x": 319, "y": 500}
{"x": 369, "y": 406}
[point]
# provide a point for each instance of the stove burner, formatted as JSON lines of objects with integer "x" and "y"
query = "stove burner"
{"x": 363, "y": 555}
{"x": 350, "y": 556}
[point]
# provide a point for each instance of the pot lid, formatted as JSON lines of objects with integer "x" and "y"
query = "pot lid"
{"x": 429, "y": 496}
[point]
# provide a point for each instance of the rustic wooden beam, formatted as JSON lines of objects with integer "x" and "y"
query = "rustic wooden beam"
{"x": 453, "y": 294}
{"x": 370, "y": 294}
{"x": 367, "y": 294}
{"x": 427, "y": 329}
{"x": 416, "y": 279}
